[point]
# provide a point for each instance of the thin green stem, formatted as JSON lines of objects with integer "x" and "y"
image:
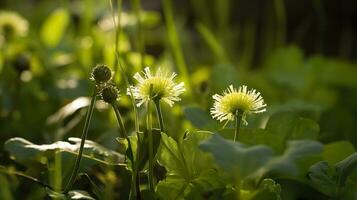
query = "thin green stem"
{"x": 135, "y": 190}
{"x": 150, "y": 147}
{"x": 84, "y": 136}
{"x": 139, "y": 36}
{"x": 120, "y": 120}
{"x": 159, "y": 115}
{"x": 238, "y": 119}
{"x": 117, "y": 26}
{"x": 117, "y": 55}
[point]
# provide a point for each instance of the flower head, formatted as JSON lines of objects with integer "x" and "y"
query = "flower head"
{"x": 234, "y": 100}
{"x": 158, "y": 86}
{"x": 101, "y": 74}
{"x": 12, "y": 24}
{"x": 110, "y": 94}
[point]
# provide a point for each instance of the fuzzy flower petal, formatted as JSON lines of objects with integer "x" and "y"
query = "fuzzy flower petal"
{"x": 233, "y": 100}
{"x": 158, "y": 86}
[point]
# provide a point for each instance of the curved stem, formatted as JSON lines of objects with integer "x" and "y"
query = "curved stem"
{"x": 150, "y": 146}
{"x": 84, "y": 136}
{"x": 159, "y": 115}
{"x": 238, "y": 116}
{"x": 120, "y": 120}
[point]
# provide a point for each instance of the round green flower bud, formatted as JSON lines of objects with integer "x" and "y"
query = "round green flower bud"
{"x": 101, "y": 74}
{"x": 110, "y": 94}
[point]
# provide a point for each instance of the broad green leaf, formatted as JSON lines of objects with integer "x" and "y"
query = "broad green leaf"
{"x": 345, "y": 167}
{"x": 24, "y": 151}
{"x": 289, "y": 126}
{"x": 254, "y": 136}
{"x": 235, "y": 157}
{"x": 187, "y": 167}
{"x": 54, "y": 27}
{"x": 323, "y": 177}
{"x": 297, "y": 153}
{"x": 337, "y": 151}
{"x": 258, "y": 161}
{"x": 332, "y": 179}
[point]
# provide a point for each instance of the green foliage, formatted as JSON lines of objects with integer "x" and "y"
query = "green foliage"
{"x": 303, "y": 147}
{"x": 189, "y": 170}
{"x": 331, "y": 179}
{"x": 26, "y": 152}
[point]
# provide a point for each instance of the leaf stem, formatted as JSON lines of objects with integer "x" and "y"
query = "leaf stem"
{"x": 150, "y": 147}
{"x": 84, "y": 136}
{"x": 159, "y": 114}
{"x": 120, "y": 120}
{"x": 238, "y": 115}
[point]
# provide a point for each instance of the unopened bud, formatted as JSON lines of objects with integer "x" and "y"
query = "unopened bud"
{"x": 101, "y": 74}
{"x": 110, "y": 94}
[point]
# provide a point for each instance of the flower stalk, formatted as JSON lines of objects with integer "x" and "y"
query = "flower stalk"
{"x": 120, "y": 120}
{"x": 83, "y": 139}
{"x": 239, "y": 116}
{"x": 150, "y": 148}
{"x": 159, "y": 115}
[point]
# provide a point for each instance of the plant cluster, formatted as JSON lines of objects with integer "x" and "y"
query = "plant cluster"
{"x": 138, "y": 141}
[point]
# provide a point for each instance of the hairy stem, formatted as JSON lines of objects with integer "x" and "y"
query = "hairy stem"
{"x": 84, "y": 136}
{"x": 150, "y": 146}
{"x": 238, "y": 115}
{"x": 159, "y": 115}
{"x": 120, "y": 120}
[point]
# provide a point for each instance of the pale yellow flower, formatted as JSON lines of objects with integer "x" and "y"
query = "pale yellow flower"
{"x": 234, "y": 100}
{"x": 162, "y": 87}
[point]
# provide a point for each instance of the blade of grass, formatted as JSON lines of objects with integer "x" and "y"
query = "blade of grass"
{"x": 139, "y": 34}
{"x": 212, "y": 43}
{"x": 117, "y": 27}
{"x": 175, "y": 44}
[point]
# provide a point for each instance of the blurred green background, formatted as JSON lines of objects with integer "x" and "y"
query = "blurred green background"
{"x": 299, "y": 54}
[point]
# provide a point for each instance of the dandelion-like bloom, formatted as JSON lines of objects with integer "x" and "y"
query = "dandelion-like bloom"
{"x": 232, "y": 101}
{"x": 158, "y": 86}
{"x": 12, "y": 23}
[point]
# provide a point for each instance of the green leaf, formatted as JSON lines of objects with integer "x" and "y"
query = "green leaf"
{"x": 235, "y": 157}
{"x": 288, "y": 162}
{"x": 289, "y": 126}
{"x": 337, "y": 151}
{"x": 331, "y": 179}
{"x": 323, "y": 177}
{"x": 258, "y": 161}
{"x": 255, "y": 136}
{"x": 54, "y": 27}
{"x": 345, "y": 167}
{"x": 187, "y": 167}
{"x": 25, "y": 151}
